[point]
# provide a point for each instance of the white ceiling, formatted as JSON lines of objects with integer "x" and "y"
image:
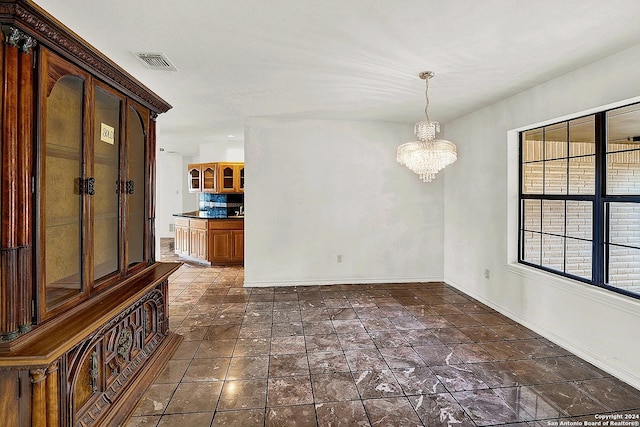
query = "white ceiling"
{"x": 342, "y": 59}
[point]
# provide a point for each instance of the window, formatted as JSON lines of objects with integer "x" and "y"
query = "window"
{"x": 580, "y": 199}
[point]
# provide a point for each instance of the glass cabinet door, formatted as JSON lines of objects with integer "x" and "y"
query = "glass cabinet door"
{"x": 106, "y": 171}
{"x": 209, "y": 178}
{"x": 194, "y": 178}
{"x": 135, "y": 188}
{"x": 62, "y": 219}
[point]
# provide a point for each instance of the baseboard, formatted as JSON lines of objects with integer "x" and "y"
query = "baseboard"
{"x": 340, "y": 281}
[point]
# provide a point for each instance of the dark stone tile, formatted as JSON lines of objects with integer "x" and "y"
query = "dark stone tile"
{"x": 495, "y": 374}
{"x": 327, "y": 361}
{"x": 318, "y": 327}
{"x": 568, "y": 399}
{"x": 420, "y": 337}
{"x": 381, "y": 383}
{"x": 143, "y": 421}
{"x": 537, "y": 348}
{"x": 244, "y": 418}
{"x": 365, "y": 360}
{"x": 570, "y": 368}
{"x": 195, "y": 397}
{"x": 252, "y": 347}
{"x": 243, "y": 394}
{"x": 333, "y": 387}
{"x": 391, "y": 412}
{"x": 356, "y": 341}
{"x": 327, "y": 342}
{"x": 352, "y": 326}
{"x": 209, "y": 349}
{"x": 480, "y": 333}
{"x": 192, "y": 333}
{"x": 248, "y": 367}
{"x": 285, "y": 345}
{"x": 369, "y": 312}
{"x": 315, "y": 314}
{"x": 502, "y": 350}
{"x": 291, "y": 416}
{"x": 458, "y": 378}
{"x": 285, "y": 365}
{"x": 612, "y": 392}
{"x": 460, "y": 320}
{"x": 342, "y": 313}
{"x": 531, "y": 372}
{"x": 401, "y": 357}
{"x": 415, "y": 381}
{"x": 214, "y": 369}
{"x": 471, "y": 353}
{"x": 526, "y": 399}
{"x": 155, "y": 400}
{"x": 289, "y": 391}
{"x": 485, "y": 407}
{"x": 388, "y": 339}
{"x": 437, "y": 355}
{"x": 286, "y": 316}
{"x": 406, "y": 322}
{"x": 287, "y": 329}
{"x": 450, "y": 335}
{"x": 201, "y": 419}
{"x": 173, "y": 371}
{"x": 378, "y": 324}
{"x": 440, "y": 410}
{"x": 222, "y": 332}
{"x": 342, "y": 414}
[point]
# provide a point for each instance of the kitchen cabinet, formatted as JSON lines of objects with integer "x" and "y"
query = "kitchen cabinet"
{"x": 215, "y": 177}
{"x": 83, "y": 306}
{"x": 213, "y": 241}
{"x": 202, "y": 177}
{"x": 231, "y": 177}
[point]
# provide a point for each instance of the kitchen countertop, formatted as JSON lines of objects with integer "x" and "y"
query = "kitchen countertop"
{"x": 201, "y": 215}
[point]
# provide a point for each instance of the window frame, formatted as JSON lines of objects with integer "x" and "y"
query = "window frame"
{"x": 600, "y": 204}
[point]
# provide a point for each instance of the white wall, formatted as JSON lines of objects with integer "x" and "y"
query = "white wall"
{"x": 481, "y": 220}
{"x": 221, "y": 151}
{"x": 319, "y": 189}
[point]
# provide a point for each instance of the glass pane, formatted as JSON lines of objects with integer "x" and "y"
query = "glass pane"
{"x": 624, "y": 224}
{"x": 532, "y": 145}
{"x": 136, "y": 174}
{"x": 106, "y": 170}
{"x": 623, "y": 128}
{"x": 582, "y": 175}
{"x": 62, "y": 204}
{"x": 555, "y": 177}
{"x": 624, "y": 268}
{"x": 532, "y": 178}
{"x": 579, "y": 220}
{"x": 578, "y": 257}
{"x": 623, "y": 172}
{"x": 582, "y": 136}
{"x": 553, "y": 217}
{"x": 532, "y": 242}
{"x": 209, "y": 178}
{"x": 531, "y": 215}
{"x": 553, "y": 252}
{"x": 555, "y": 141}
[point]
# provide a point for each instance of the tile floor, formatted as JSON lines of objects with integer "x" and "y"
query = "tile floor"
{"x": 360, "y": 355}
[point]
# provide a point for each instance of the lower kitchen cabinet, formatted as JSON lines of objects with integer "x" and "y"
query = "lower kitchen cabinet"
{"x": 215, "y": 241}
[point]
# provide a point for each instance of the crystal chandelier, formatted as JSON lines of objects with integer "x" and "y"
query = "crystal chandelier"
{"x": 428, "y": 155}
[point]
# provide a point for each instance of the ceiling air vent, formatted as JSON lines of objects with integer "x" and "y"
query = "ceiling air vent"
{"x": 155, "y": 61}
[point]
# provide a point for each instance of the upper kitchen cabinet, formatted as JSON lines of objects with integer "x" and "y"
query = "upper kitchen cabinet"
{"x": 83, "y": 303}
{"x": 231, "y": 177}
{"x": 216, "y": 177}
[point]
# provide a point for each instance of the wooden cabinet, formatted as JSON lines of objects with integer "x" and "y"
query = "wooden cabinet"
{"x": 231, "y": 177}
{"x": 202, "y": 177}
{"x": 83, "y": 304}
{"x": 216, "y": 177}
{"x": 182, "y": 236}
{"x": 216, "y": 241}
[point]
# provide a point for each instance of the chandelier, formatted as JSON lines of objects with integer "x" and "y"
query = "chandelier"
{"x": 428, "y": 155}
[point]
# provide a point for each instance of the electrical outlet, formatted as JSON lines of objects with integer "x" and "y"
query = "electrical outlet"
{"x": 339, "y": 259}
{"x": 171, "y": 229}
{"x": 487, "y": 273}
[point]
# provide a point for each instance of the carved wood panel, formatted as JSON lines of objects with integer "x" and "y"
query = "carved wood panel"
{"x": 99, "y": 368}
